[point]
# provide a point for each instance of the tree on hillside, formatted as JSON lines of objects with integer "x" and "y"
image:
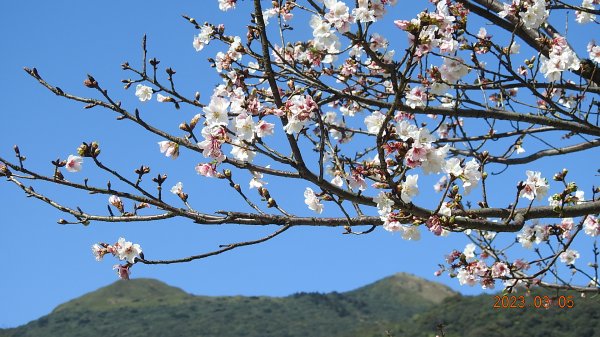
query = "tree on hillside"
{"x": 369, "y": 109}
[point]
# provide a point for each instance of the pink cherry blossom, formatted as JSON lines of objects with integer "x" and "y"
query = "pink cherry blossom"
{"x": 207, "y": 170}
{"x": 263, "y": 129}
{"x": 214, "y": 137}
{"x": 122, "y": 271}
{"x": 500, "y": 269}
{"x": 416, "y": 97}
{"x": 226, "y": 5}
{"x": 74, "y": 163}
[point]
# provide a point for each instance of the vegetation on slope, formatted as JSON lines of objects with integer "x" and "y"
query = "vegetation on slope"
{"x": 151, "y": 308}
{"x": 401, "y": 306}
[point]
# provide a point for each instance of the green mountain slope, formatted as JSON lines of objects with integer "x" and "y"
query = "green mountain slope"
{"x": 401, "y": 305}
{"x": 475, "y": 316}
{"x": 151, "y": 308}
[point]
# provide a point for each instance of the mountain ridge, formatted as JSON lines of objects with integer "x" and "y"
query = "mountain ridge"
{"x": 401, "y": 305}
{"x": 152, "y": 301}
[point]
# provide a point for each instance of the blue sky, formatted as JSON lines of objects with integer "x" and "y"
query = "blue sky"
{"x": 45, "y": 264}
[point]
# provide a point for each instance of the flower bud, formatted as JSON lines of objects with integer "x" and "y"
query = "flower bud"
{"x": 90, "y": 82}
{"x": 4, "y": 171}
{"x": 195, "y": 121}
{"x": 82, "y": 149}
{"x": 571, "y": 187}
{"x": 184, "y": 127}
{"x": 116, "y": 202}
{"x": 271, "y": 203}
{"x": 227, "y": 173}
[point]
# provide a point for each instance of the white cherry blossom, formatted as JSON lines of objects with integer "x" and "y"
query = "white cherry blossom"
{"x": 216, "y": 111}
{"x": 311, "y": 200}
{"x": 384, "y": 203}
{"x": 143, "y": 92}
{"x": 203, "y": 38}
{"x": 374, "y": 122}
{"x": 453, "y": 69}
{"x": 536, "y": 187}
{"x": 591, "y": 226}
{"x": 256, "y": 181}
{"x": 126, "y": 250}
{"x": 584, "y": 17}
{"x": 469, "y": 251}
{"x": 178, "y": 188}
{"x": 594, "y": 51}
{"x": 170, "y": 149}
{"x": 409, "y": 188}
{"x": 241, "y": 151}
{"x": 569, "y": 256}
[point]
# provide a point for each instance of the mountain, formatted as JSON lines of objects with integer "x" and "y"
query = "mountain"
{"x": 143, "y": 307}
{"x": 401, "y": 305}
{"x": 475, "y": 316}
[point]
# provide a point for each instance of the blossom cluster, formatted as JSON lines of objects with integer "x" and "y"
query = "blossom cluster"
{"x": 238, "y": 112}
{"x": 561, "y": 58}
{"x": 300, "y": 110}
{"x": 535, "y": 187}
{"x": 471, "y": 268}
{"x": 338, "y": 18}
{"x": 122, "y": 250}
{"x": 583, "y": 16}
{"x": 531, "y": 12}
{"x": 391, "y": 220}
{"x": 594, "y": 51}
{"x": 204, "y": 37}
{"x": 431, "y": 31}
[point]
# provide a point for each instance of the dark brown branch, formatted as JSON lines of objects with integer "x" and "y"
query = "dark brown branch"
{"x": 537, "y": 155}
{"x": 220, "y": 251}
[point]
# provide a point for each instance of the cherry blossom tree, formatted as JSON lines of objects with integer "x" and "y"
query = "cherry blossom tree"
{"x": 314, "y": 93}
